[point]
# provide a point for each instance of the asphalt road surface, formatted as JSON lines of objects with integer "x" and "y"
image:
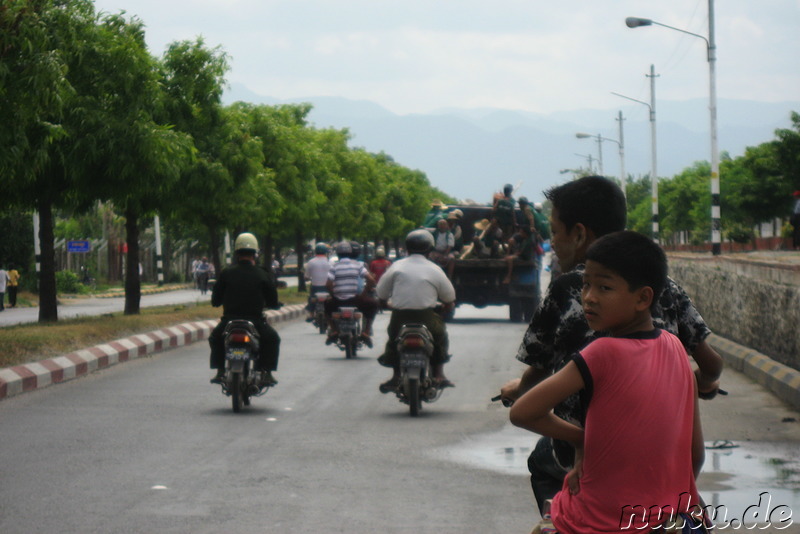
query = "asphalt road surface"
{"x": 150, "y": 446}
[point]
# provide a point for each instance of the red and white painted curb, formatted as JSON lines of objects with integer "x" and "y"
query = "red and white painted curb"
{"x": 37, "y": 375}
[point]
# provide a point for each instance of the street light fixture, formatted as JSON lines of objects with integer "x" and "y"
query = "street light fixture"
{"x": 711, "y": 47}
{"x": 589, "y": 158}
{"x": 599, "y": 138}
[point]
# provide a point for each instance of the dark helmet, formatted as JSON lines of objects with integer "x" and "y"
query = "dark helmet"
{"x": 419, "y": 242}
{"x": 356, "y": 246}
{"x": 343, "y": 249}
{"x": 523, "y": 201}
{"x": 321, "y": 248}
{"x": 508, "y": 188}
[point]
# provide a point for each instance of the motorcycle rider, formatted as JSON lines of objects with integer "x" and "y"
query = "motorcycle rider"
{"x": 317, "y": 272}
{"x": 380, "y": 264}
{"x": 244, "y": 290}
{"x": 343, "y": 285}
{"x": 415, "y": 285}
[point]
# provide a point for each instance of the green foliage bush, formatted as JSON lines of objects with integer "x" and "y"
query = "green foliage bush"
{"x": 67, "y": 282}
{"x": 739, "y": 233}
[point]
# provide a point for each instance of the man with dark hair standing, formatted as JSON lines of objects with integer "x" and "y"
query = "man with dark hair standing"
{"x": 583, "y": 211}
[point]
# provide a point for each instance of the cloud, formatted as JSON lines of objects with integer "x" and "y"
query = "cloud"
{"x": 417, "y": 55}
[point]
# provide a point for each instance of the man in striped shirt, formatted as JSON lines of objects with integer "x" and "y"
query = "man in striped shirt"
{"x": 343, "y": 282}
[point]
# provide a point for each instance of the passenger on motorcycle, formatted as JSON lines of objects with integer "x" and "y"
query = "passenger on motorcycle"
{"x": 317, "y": 270}
{"x": 632, "y": 451}
{"x": 244, "y": 290}
{"x": 414, "y": 286}
{"x": 343, "y": 284}
{"x": 583, "y": 211}
{"x": 380, "y": 264}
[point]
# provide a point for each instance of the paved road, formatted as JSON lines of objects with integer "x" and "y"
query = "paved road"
{"x": 150, "y": 446}
{"x": 323, "y": 452}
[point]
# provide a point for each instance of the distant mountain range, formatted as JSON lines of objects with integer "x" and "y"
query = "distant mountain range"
{"x": 471, "y": 153}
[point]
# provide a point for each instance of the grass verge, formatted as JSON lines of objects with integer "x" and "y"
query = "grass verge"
{"x": 32, "y": 342}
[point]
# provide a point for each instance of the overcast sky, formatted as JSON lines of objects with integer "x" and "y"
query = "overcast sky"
{"x": 414, "y": 56}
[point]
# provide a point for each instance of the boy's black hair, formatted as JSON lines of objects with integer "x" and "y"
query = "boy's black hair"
{"x": 596, "y": 202}
{"x": 635, "y": 257}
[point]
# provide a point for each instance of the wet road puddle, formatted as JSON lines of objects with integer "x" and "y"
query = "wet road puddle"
{"x": 758, "y": 478}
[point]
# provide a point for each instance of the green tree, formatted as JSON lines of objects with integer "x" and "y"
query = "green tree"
{"x": 44, "y": 45}
{"x": 227, "y": 177}
{"x": 34, "y": 84}
{"x": 788, "y": 155}
{"x": 135, "y": 159}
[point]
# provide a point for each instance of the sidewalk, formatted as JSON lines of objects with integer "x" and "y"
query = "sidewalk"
{"x": 778, "y": 266}
{"x": 37, "y": 375}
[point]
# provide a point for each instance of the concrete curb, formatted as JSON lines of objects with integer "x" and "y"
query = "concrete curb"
{"x": 780, "y": 379}
{"x": 37, "y": 375}
{"x": 145, "y": 291}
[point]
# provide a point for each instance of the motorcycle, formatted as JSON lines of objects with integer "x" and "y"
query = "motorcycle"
{"x": 415, "y": 348}
{"x": 319, "y": 311}
{"x": 241, "y": 381}
{"x": 348, "y": 323}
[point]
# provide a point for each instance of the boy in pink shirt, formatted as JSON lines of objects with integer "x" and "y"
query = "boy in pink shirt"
{"x": 642, "y": 447}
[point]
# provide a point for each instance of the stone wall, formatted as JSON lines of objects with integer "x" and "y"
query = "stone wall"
{"x": 750, "y": 310}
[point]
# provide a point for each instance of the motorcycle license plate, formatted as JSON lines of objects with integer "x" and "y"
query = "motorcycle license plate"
{"x": 413, "y": 360}
{"x": 238, "y": 354}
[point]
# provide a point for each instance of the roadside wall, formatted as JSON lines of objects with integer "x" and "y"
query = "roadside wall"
{"x": 744, "y": 304}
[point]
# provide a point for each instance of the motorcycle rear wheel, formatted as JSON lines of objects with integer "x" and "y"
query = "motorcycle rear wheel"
{"x": 237, "y": 391}
{"x": 414, "y": 401}
{"x": 350, "y": 348}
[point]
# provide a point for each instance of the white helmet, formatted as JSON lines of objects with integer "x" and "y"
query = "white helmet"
{"x": 246, "y": 242}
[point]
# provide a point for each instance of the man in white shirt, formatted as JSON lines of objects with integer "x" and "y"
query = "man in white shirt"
{"x": 414, "y": 286}
{"x": 317, "y": 270}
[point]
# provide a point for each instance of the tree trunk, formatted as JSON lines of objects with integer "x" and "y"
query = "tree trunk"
{"x": 133, "y": 285}
{"x": 299, "y": 248}
{"x": 213, "y": 235}
{"x": 48, "y": 300}
{"x": 268, "y": 251}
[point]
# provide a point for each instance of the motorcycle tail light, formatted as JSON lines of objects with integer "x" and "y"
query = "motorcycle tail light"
{"x": 347, "y": 314}
{"x": 240, "y": 337}
{"x": 336, "y": 315}
{"x": 413, "y": 342}
{"x": 322, "y": 299}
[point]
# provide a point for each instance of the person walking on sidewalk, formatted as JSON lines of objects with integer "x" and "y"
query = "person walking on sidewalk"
{"x": 3, "y": 282}
{"x": 13, "y": 286}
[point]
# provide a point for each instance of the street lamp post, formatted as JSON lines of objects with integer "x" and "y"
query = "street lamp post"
{"x": 653, "y": 150}
{"x": 716, "y": 227}
{"x": 589, "y": 158}
{"x": 619, "y": 144}
{"x": 599, "y": 140}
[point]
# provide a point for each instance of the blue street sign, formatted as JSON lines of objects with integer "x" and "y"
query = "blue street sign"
{"x": 79, "y": 246}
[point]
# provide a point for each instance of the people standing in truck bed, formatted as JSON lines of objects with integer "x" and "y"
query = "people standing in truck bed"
{"x": 503, "y": 211}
